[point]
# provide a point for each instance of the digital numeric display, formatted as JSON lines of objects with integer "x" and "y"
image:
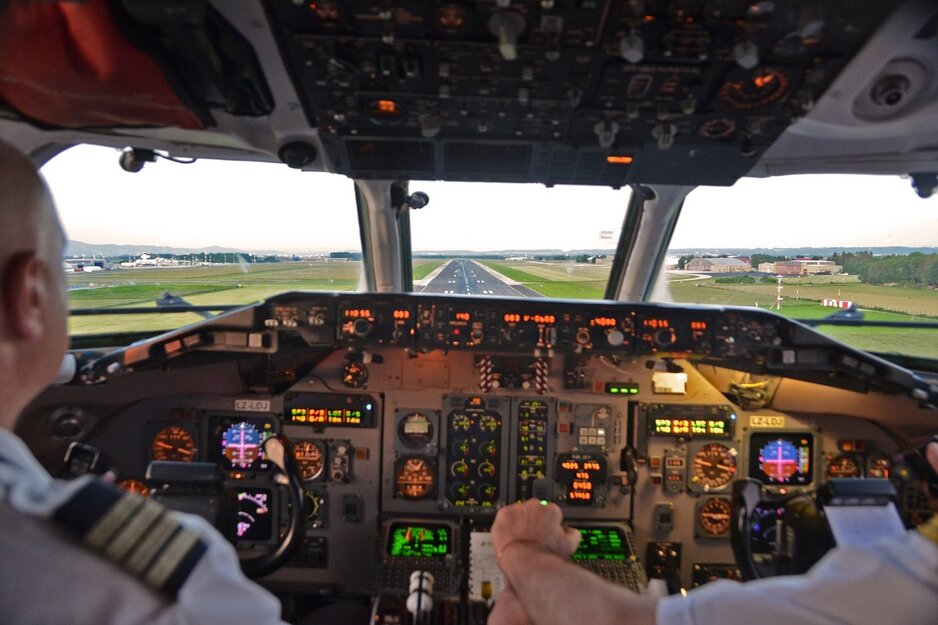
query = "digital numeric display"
{"x": 581, "y": 475}
{"x": 676, "y": 426}
{"x": 331, "y": 409}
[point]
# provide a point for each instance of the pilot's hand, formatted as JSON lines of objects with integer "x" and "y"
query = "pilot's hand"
{"x": 508, "y": 610}
{"x": 535, "y": 523}
{"x": 931, "y": 454}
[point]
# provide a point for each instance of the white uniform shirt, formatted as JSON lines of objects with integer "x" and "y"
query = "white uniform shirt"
{"x": 47, "y": 577}
{"x": 893, "y": 581}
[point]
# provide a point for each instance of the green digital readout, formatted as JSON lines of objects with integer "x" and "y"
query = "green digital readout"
{"x": 601, "y": 543}
{"x": 418, "y": 541}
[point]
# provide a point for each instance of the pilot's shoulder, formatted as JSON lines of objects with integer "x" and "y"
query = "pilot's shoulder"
{"x": 140, "y": 536}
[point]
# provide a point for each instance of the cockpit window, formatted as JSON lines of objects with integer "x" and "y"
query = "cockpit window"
{"x": 858, "y": 252}
{"x": 208, "y": 235}
{"x": 516, "y": 239}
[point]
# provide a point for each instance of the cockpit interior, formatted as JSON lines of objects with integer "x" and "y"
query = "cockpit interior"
{"x": 410, "y": 415}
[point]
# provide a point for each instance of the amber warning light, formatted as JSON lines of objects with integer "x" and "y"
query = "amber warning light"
{"x": 619, "y": 159}
{"x": 387, "y": 106}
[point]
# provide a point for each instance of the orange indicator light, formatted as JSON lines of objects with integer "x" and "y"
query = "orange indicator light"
{"x": 387, "y": 106}
{"x": 616, "y": 159}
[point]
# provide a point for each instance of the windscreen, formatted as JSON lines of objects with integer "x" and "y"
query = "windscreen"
{"x": 858, "y": 250}
{"x": 179, "y": 235}
{"x": 516, "y": 240}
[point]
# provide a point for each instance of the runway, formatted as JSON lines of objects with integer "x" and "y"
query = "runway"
{"x": 467, "y": 277}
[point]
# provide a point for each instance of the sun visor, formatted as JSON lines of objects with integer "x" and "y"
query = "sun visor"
{"x": 67, "y": 64}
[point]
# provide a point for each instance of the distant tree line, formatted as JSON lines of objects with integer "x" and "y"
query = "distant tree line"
{"x": 913, "y": 269}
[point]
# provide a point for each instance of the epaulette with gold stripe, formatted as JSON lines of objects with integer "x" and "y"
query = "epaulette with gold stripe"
{"x": 134, "y": 533}
{"x": 929, "y": 529}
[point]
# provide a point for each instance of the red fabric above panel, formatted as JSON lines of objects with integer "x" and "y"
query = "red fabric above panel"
{"x": 68, "y": 65}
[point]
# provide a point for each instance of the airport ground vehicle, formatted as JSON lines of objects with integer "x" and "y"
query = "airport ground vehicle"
{"x": 416, "y": 415}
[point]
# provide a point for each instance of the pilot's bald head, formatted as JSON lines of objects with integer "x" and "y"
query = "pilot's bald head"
{"x": 33, "y": 333}
{"x": 27, "y": 218}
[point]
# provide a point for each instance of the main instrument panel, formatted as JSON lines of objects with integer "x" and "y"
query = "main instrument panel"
{"x": 414, "y": 419}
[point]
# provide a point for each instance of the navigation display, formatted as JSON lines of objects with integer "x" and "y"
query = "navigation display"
{"x": 601, "y": 543}
{"x": 254, "y": 518}
{"x": 424, "y": 540}
{"x": 782, "y": 458}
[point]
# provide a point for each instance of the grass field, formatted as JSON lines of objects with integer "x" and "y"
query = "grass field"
{"x": 801, "y": 300}
{"x": 423, "y": 268}
{"x": 564, "y": 280}
{"x": 245, "y": 284}
{"x": 216, "y": 284}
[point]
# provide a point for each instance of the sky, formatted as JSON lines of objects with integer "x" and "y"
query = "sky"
{"x": 264, "y": 207}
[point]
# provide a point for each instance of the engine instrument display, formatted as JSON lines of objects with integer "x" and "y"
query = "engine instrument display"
{"x": 532, "y": 443}
{"x": 330, "y": 409}
{"x": 474, "y": 440}
{"x": 310, "y": 459}
{"x": 601, "y": 543}
{"x": 713, "y": 467}
{"x": 426, "y": 540}
{"x": 174, "y": 444}
{"x": 254, "y": 517}
{"x": 713, "y": 517}
{"x": 782, "y": 458}
{"x": 581, "y": 476}
{"x": 414, "y": 478}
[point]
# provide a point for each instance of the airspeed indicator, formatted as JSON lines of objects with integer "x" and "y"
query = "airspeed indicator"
{"x": 713, "y": 467}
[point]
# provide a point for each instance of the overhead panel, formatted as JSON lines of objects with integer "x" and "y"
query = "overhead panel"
{"x": 584, "y": 92}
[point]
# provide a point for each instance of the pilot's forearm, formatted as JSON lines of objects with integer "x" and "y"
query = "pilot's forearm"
{"x": 554, "y": 591}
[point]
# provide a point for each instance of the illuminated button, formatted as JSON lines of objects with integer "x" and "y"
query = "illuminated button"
{"x": 563, "y": 428}
{"x": 584, "y": 439}
{"x": 591, "y": 440}
{"x": 600, "y": 431}
{"x": 654, "y": 463}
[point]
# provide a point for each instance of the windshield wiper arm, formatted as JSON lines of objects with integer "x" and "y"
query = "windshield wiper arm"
{"x": 168, "y": 300}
